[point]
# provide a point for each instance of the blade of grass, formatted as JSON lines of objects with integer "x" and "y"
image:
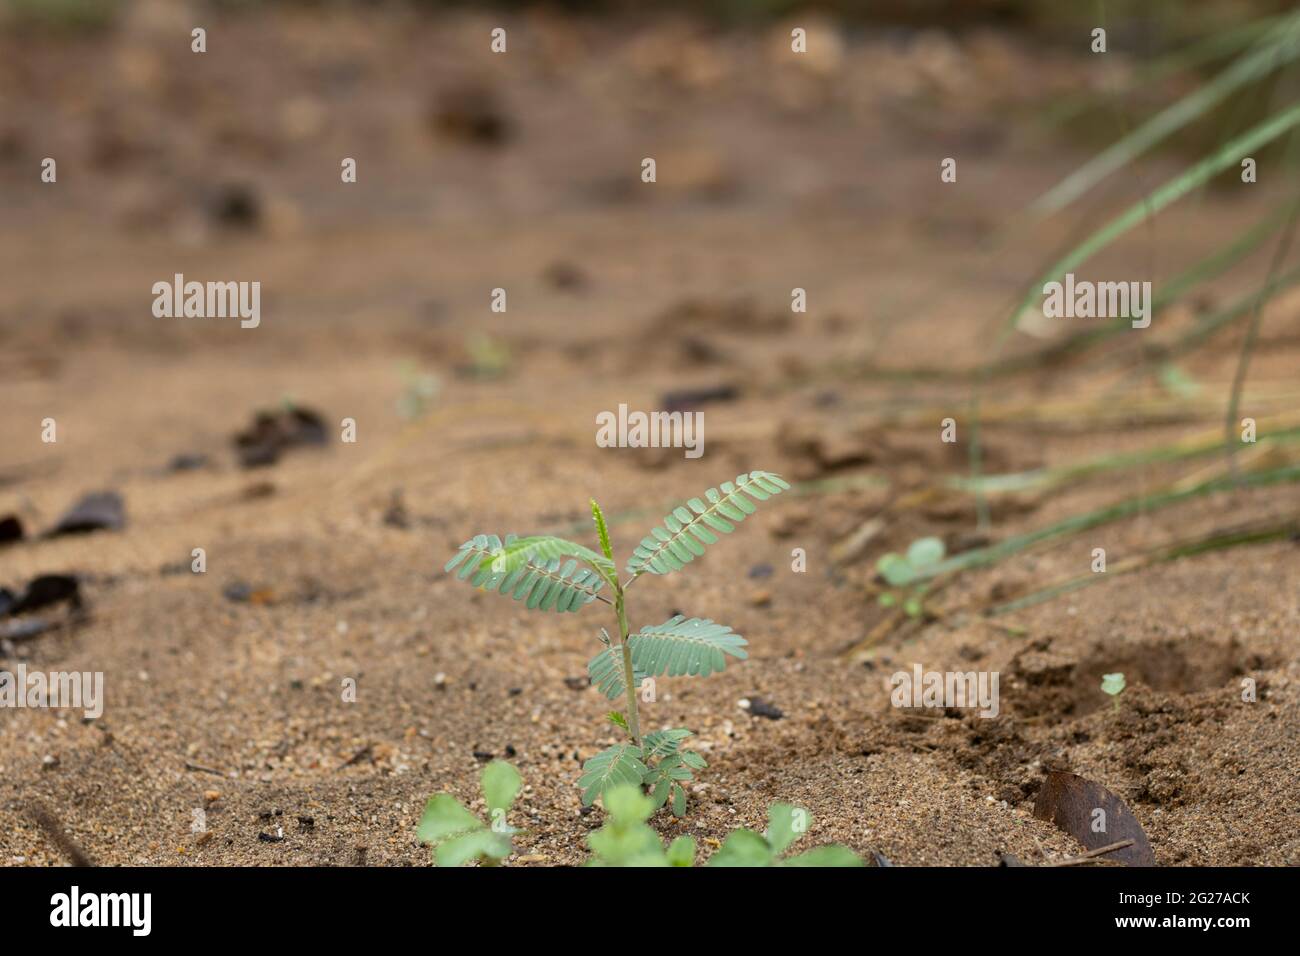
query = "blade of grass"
{"x": 1278, "y": 47}
{"x": 1173, "y": 190}
{"x": 1075, "y": 524}
{"x": 1257, "y": 533}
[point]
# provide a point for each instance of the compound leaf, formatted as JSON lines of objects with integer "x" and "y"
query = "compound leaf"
{"x": 679, "y": 647}
{"x": 527, "y": 574}
{"x": 606, "y": 672}
{"x": 688, "y": 529}
{"x": 620, "y": 763}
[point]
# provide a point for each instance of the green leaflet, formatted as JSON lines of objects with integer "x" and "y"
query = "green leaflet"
{"x": 602, "y": 532}
{"x": 541, "y": 548}
{"x": 680, "y": 647}
{"x": 606, "y": 672}
{"x": 620, "y": 763}
{"x": 664, "y": 743}
{"x": 691, "y": 527}
{"x": 526, "y": 574}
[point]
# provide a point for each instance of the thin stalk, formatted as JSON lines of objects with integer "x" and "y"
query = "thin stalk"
{"x": 992, "y": 554}
{"x": 629, "y": 681}
{"x": 620, "y": 611}
{"x": 1252, "y": 333}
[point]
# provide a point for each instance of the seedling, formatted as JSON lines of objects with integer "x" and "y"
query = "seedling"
{"x": 419, "y": 390}
{"x": 626, "y": 840}
{"x": 545, "y": 573}
{"x": 459, "y": 836}
{"x": 1114, "y": 685}
{"x": 901, "y": 571}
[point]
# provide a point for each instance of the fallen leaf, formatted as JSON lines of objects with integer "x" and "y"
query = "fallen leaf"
{"x": 98, "y": 511}
{"x": 1072, "y": 803}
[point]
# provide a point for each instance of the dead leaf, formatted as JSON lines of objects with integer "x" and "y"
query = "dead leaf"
{"x": 1072, "y": 803}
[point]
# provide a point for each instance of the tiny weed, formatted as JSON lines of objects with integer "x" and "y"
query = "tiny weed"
{"x": 901, "y": 571}
{"x": 545, "y": 573}
{"x": 459, "y": 836}
{"x": 626, "y": 839}
{"x": 1114, "y": 685}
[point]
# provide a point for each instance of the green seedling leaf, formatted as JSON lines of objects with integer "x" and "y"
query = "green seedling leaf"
{"x": 444, "y": 817}
{"x": 679, "y": 800}
{"x": 896, "y": 570}
{"x": 924, "y": 551}
{"x": 743, "y": 848}
{"x": 617, "y": 719}
{"x": 832, "y": 855}
{"x": 785, "y": 825}
{"x": 681, "y": 852}
{"x": 501, "y": 783}
{"x": 1112, "y": 684}
{"x": 472, "y": 846}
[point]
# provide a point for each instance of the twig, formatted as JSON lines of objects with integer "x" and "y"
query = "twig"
{"x": 1092, "y": 854}
{"x": 202, "y": 769}
{"x": 59, "y": 836}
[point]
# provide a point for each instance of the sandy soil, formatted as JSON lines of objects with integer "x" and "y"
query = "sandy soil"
{"x": 772, "y": 175}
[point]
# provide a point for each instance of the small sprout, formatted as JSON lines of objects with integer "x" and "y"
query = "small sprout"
{"x": 458, "y": 836}
{"x": 552, "y": 574}
{"x": 901, "y": 571}
{"x": 1114, "y": 685}
{"x": 418, "y": 392}
{"x": 626, "y": 839}
{"x": 489, "y": 358}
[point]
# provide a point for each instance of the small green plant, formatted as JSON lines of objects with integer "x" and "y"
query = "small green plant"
{"x": 551, "y": 574}
{"x": 489, "y": 358}
{"x": 1114, "y": 685}
{"x": 902, "y": 571}
{"x": 459, "y": 836}
{"x": 419, "y": 390}
{"x": 626, "y": 839}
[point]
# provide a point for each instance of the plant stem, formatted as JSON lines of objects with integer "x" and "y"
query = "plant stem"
{"x": 629, "y": 683}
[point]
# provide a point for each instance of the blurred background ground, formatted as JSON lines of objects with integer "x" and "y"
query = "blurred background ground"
{"x": 521, "y": 171}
